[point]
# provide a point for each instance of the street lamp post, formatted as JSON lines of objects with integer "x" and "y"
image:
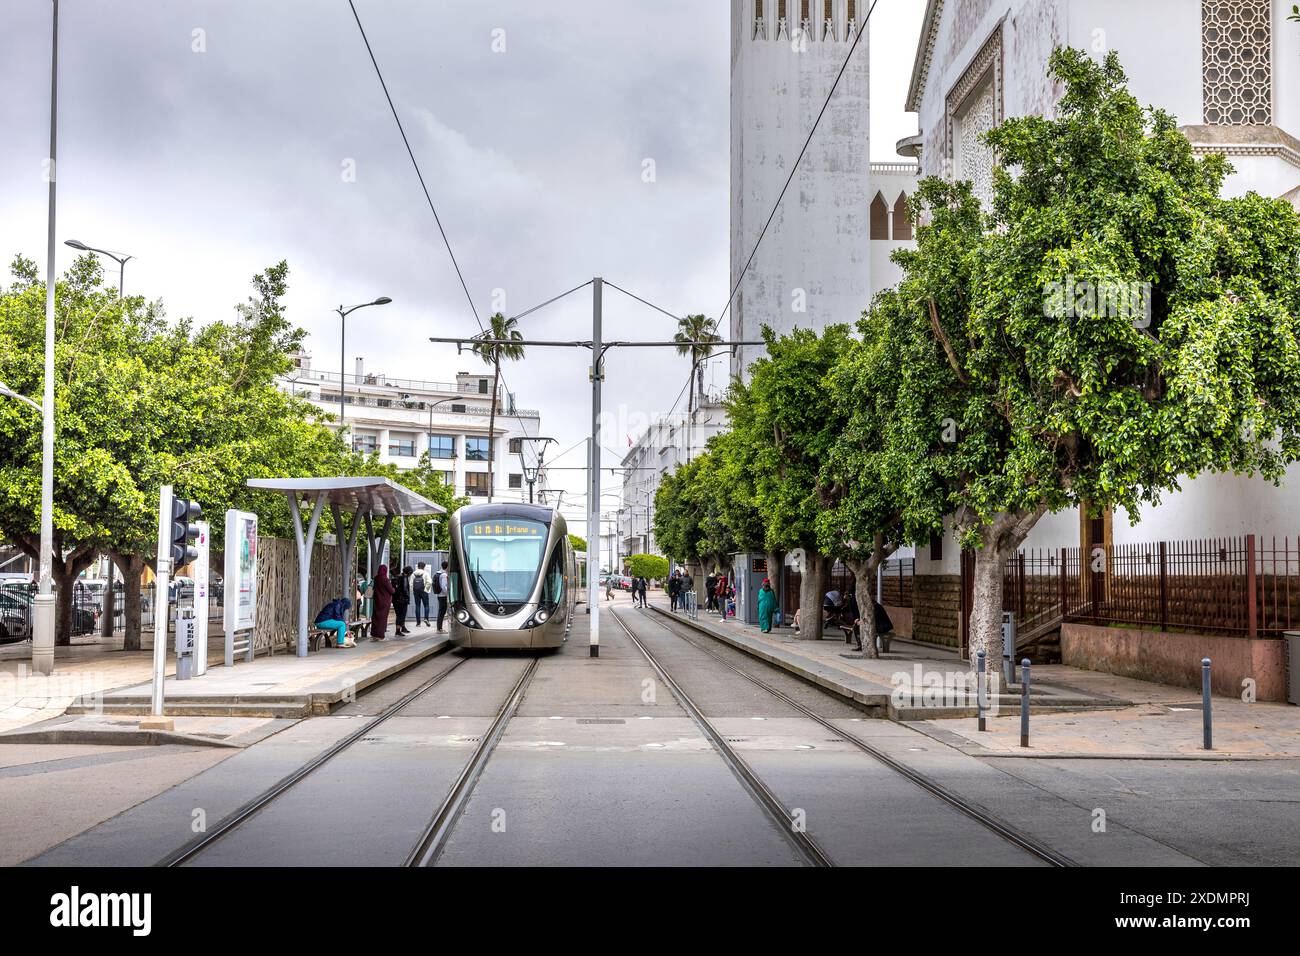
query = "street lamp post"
{"x": 43, "y": 603}
{"x": 108, "y": 613}
{"x": 121, "y": 261}
{"x": 343, "y": 348}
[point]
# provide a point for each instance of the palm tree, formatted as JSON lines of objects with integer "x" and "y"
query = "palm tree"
{"x": 696, "y": 329}
{"x": 497, "y": 344}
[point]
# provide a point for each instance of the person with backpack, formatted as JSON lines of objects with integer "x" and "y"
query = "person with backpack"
{"x": 440, "y": 593}
{"x": 402, "y": 599}
{"x": 421, "y": 585}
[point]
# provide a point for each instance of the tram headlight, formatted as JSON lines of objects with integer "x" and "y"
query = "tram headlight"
{"x": 542, "y": 616}
{"x": 463, "y": 616}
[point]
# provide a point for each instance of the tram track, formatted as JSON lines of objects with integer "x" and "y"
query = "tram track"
{"x": 763, "y": 795}
{"x": 436, "y": 831}
{"x": 1035, "y": 848}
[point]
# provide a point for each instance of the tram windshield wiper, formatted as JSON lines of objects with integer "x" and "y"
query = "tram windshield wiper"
{"x": 482, "y": 582}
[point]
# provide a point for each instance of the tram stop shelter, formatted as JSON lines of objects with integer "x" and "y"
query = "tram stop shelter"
{"x": 372, "y": 502}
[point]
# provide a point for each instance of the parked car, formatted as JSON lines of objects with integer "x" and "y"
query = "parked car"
{"x": 15, "y": 620}
{"x": 17, "y": 603}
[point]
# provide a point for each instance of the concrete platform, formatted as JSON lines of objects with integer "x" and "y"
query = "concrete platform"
{"x": 281, "y": 687}
{"x": 1074, "y": 713}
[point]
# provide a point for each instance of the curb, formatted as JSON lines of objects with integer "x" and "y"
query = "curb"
{"x": 113, "y": 738}
{"x": 874, "y": 704}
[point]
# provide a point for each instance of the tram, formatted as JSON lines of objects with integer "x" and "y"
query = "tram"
{"x": 512, "y": 578}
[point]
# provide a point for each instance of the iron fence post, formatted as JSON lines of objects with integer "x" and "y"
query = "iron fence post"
{"x": 1252, "y": 625}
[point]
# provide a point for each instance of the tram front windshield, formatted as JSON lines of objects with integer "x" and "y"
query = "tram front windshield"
{"x": 502, "y": 558}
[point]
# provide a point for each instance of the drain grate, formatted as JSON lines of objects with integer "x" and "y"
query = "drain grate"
{"x": 833, "y": 740}
{"x": 737, "y": 740}
{"x": 601, "y": 720}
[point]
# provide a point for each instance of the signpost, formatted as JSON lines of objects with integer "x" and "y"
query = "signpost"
{"x": 239, "y": 607}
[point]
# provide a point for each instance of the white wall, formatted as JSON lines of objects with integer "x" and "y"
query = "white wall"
{"x": 818, "y": 241}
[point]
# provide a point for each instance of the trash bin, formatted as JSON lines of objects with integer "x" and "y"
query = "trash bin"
{"x": 1292, "y": 639}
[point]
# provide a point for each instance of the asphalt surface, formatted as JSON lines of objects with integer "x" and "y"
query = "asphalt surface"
{"x": 600, "y": 765}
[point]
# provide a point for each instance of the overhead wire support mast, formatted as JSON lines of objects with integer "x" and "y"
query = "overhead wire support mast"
{"x": 598, "y": 349}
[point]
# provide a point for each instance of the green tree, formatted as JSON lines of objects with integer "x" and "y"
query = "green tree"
{"x": 786, "y": 425}
{"x": 578, "y": 544}
{"x": 497, "y": 344}
{"x": 1109, "y": 326}
{"x": 141, "y": 403}
{"x": 868, "y": 519}
{"x": 649, "y": 566}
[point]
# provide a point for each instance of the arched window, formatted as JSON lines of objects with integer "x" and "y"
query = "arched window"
{"x": 879, "y": 218}
{"x": 902, "y": 224}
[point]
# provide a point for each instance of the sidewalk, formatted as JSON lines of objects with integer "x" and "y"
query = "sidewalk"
{"x": 1074, "y": 712}
{"x": 98, "y": 689}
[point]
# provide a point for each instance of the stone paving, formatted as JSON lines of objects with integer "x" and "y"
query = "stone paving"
{"x": 1108, "y": 716}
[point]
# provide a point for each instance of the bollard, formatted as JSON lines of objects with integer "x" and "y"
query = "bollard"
{"x": 979, "y": 689}
{"x": 1206, "y": 720}
{"x": 1024, "y": 702}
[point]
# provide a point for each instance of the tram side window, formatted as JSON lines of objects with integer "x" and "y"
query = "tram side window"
{"x": 555, "y": 579}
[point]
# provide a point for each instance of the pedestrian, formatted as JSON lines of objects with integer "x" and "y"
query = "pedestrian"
{"x": 421, "y": 585}
{"x": 645, "y": 587}
{"x": 766, "y": 606}
{"x": 710, "y": 583}
{"x": 609, "y": 588}
{"x": 674, "y": 590}
{"x": 720, "y": 595}
{"x": 334, "y": 617}
{"x": 440, "y": 592}
{"x": 383, "y": 589}
{"x": 402, "y": 599}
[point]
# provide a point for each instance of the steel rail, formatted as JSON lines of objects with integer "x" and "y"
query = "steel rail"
{"x": 763, "y": 795}
{"x": 963, "y": 806}
{"x": 434, "y": 838}
{"x": 228, "y": 823}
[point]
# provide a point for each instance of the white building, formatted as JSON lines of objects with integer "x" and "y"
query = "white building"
{"x": 402, "y": 418}
{"x": 827, "y": 250}
{"x": 1228, "y": 70}
{"x": 669, "y": 441}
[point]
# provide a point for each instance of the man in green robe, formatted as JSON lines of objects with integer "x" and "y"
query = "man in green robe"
{"x": 766, "y": 606}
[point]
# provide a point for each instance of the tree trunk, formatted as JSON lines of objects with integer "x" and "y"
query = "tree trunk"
{"x": 492, "y": 428}
{"x": 1001, "y": 538}
{"x": 132, "y": 568}
{"x": 812, "y": 591}
{"x": 986, "y": 612}
{"x": 64, "y": 571}
{"x": 864, "y": 589}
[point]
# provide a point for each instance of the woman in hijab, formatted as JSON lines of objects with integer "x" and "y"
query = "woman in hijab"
{"x": 383, "y": 591}
{"x": 766, "y": 606}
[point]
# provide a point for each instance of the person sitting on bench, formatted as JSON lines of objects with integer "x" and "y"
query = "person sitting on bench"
{"x": 334, "y": 617}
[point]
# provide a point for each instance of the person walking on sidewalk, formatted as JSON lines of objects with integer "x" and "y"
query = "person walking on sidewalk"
{"x": 766, "y": 606}
{"x": 674, "y": 590}
{"x": 440, "y": 593}
{"x": 383, "y": 599}
{"x": 402, "y": 599}
{"x": 421, "y": 585}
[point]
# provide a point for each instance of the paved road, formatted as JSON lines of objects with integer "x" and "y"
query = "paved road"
{"x": 601, "y": 765}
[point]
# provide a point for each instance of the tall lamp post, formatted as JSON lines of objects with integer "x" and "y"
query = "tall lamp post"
{"x": 343, "y": 348}
{"x": 108, "y": 613}
{"x": 43, "y": 603}
{"x": 531, "y": 474}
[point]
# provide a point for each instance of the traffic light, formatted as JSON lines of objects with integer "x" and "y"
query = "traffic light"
{"x": 184, "y": 531}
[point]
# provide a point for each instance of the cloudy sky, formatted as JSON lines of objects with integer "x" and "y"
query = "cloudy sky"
{"x": 210, "y": 139}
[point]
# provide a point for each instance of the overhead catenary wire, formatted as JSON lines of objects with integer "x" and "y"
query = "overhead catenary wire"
{"x": 794, "y": 168}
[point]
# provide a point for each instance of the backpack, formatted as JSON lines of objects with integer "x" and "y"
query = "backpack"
{"x": 417, "y": 582}
{"x": 437, "y": 583}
